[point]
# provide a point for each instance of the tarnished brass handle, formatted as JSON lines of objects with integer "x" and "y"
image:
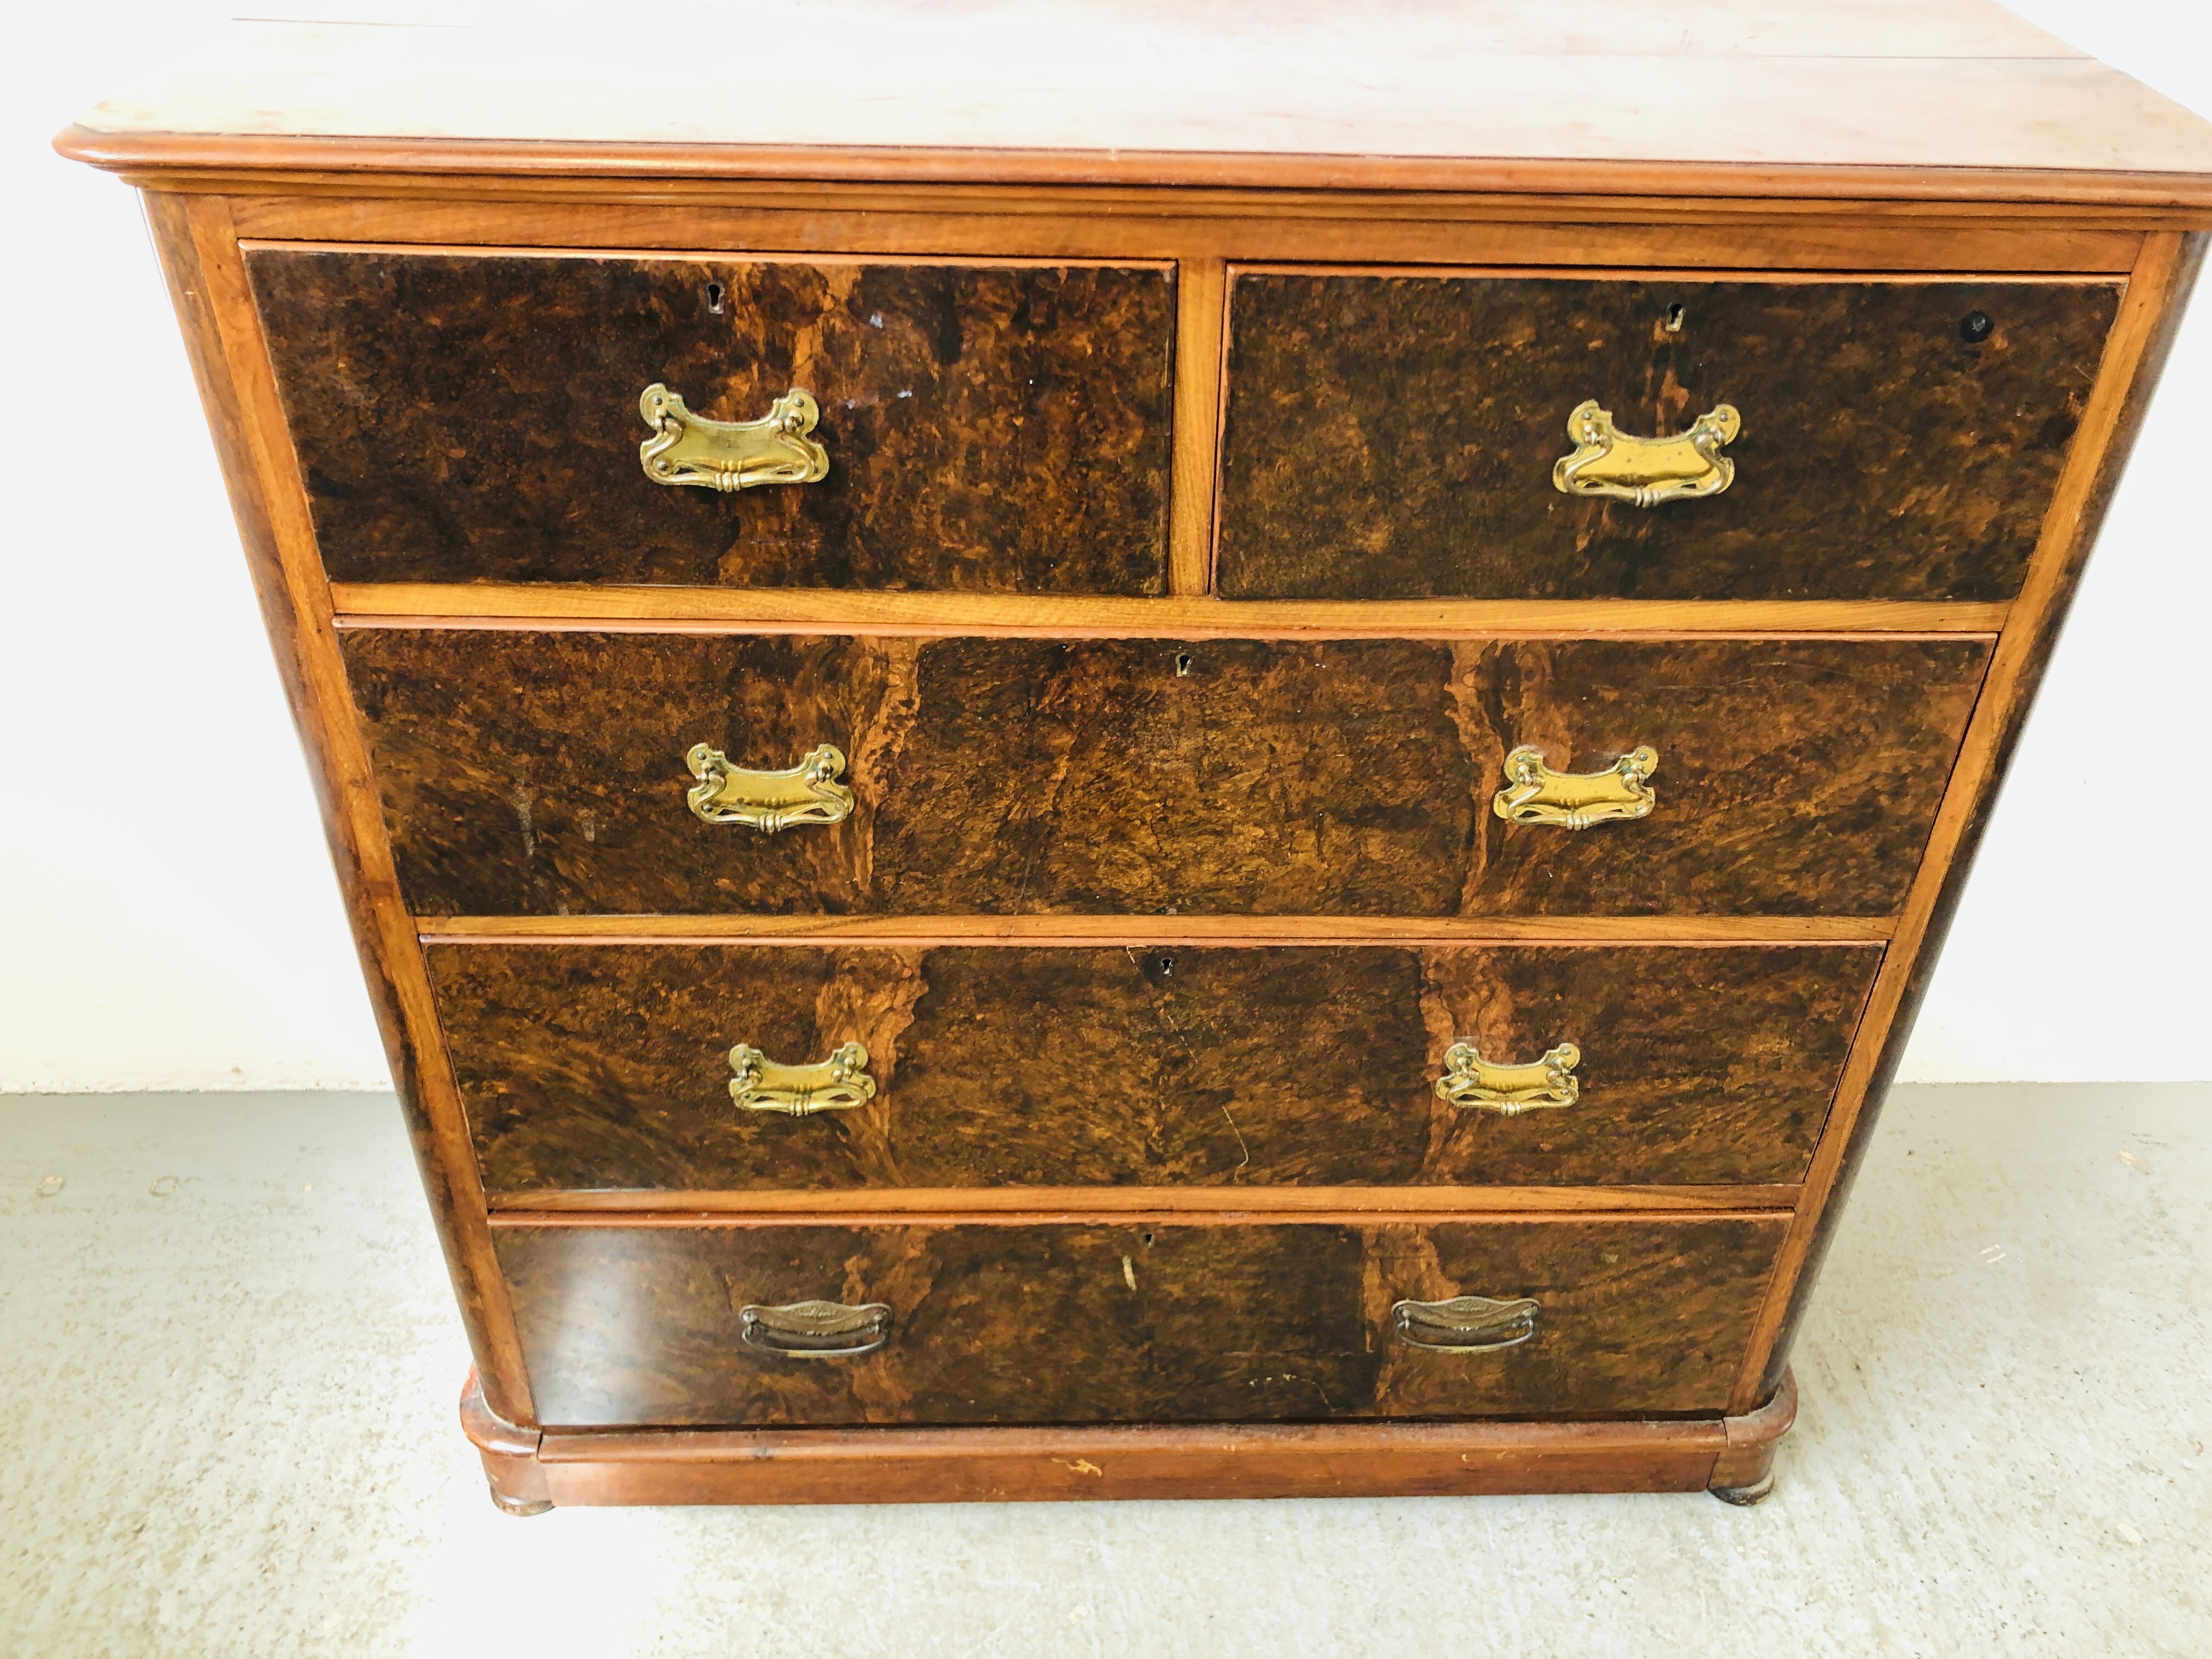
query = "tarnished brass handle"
{"x": 690, "y": 449}
{"x": 808, "y": 793}
{"x": 1535, "y": 794}
{"x": 814, "y": 1330}
{"x": 836, "y": 1085}
{"x": 1471, "y": 1080}
{"x": 1466, "y": 1324}
{"x": 1608, "y": 462}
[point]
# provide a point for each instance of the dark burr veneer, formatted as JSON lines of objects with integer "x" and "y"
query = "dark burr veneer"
{"x": 538, "y": 774}
{"x": 1392, "y": 436}
{"x": 471, "y": 417}
{"x": 1189, "y": 564}
{"x": 606, "y": 1067}
{"x": 1154, "y": 1323}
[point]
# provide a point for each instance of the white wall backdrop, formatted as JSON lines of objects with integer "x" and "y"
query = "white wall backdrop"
{"x": 167, "y": 918}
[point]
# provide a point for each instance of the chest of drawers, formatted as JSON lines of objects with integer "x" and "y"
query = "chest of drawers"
{"x": 1059, "y": 786}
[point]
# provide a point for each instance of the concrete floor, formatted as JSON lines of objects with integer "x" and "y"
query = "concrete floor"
{"x": 228, "y": 1364}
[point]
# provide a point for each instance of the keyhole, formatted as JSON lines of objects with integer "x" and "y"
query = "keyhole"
{"x": 1975, "y": 327}
{"x": 1148, "y": 1239}
{"x": 1183, "y": 664}
{"x": 714, "y": 298}
{"x": 1674, "y": 319}
{"x": 1167, "y": 966}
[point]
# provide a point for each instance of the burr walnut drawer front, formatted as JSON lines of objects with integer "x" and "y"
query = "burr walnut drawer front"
{"x": 465, "y": 416}
{"x": 705, "y": 1326}
{"x": 573, "y": 774}
{"x": 1410, "y": 435}
{"x": 696, "y": 1068}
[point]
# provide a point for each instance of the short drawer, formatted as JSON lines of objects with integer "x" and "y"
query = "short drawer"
{"x": 547, "y": 774}
{"x": 1396, "y": 435}
{"x": 464, "y": 417}
{"x": 610, "y": 1068}
{"x": 703, "y": 1326}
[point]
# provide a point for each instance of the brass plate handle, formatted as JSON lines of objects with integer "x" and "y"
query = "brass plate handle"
{"x": 690, "y": 449}
{"x": 836, "y": 1085}
{"x": 808, "y": 793}
{"x": 1610, "y": 463}
{"x": 1466, "y": 1324}
{"x": 1471, "y": 1080}
{"x": 814, "y": 1330}
{"x": 1535, "y": 794}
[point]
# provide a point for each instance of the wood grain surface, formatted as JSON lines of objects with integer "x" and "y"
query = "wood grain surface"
{"x": 1952, "y": 101}
{"x": 1371, "y": 1459}
{"x": 1075, "y": 1323}
{"x": 1349, "y": 1458}
{"x": 1392, "y": 436}
{"x": 1620, "y": 233}
{"x": 1091, "y": 617}
{"x": 470, "y": 417}
{"x": 605, "y": 1069}
{"x": 537, "y": 774}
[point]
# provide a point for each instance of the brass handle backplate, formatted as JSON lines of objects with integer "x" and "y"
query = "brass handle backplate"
{"x": 1466, "y": 1324}
{"x": 1608, "y": 462}
{"x": 808, "y": 793}
{"x": 836, "y": 1085}
{"x": 1535, "y": 794}
{"x": 1471, "y": 1080}
{"x": 690, "y": 449}
{"x": 814, "y": 1330}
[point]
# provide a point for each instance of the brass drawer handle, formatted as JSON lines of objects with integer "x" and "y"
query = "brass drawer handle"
{"x": 1610, "y": 463}
{"x": 1471, "y": 1080}
{"x": 814, "y": 1330}
{"x": 1466, "y": 1324}
{"x": 1575, "y": 800}
{"x": 836, "y": 1085}
{"x": 808, "y": 793}
{"x": 690, "y": 449}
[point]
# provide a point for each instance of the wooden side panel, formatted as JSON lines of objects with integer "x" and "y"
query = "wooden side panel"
{"x": 2158, "y": 296}
{"x": 1393, "y": 437}
{"x": 536, "y": 775}
{"x": 605, "y": 1069}
{"x": 1075, "y": 1323}
{"x": 199, "y": 256}
{"x": 470, "y": 417}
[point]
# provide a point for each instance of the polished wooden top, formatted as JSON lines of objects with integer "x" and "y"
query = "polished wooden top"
{"x": 1952, "y": 99}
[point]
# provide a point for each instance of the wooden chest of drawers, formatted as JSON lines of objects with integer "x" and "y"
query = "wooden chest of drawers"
{"x": 1109, "y": 794}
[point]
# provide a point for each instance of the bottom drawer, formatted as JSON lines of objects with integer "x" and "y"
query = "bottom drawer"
{"x": 697, "y": 1325}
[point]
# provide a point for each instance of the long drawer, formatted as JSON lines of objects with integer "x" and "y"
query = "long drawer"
{"x": 703, "y": 1326}
{"x": 464, "y": 416}
{"x": 572, "y": 774}
{"x": 1392, "y": 434}
{"x": 609, "y": 1068}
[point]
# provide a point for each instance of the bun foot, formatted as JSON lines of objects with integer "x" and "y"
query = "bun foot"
{"x": 1744, "y": 1473}
{"x": 510, "y": 1468}
{"x": 510, "y": 1504}
{"x": 1745, "y": 1496}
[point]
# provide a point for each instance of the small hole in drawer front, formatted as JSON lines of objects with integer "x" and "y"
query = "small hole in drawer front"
{"x": 714, "y": 298}
{"x": 1182, "y": 664}
{"x": 1975, "y": 327}
{"x": 1674, "y": 318}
